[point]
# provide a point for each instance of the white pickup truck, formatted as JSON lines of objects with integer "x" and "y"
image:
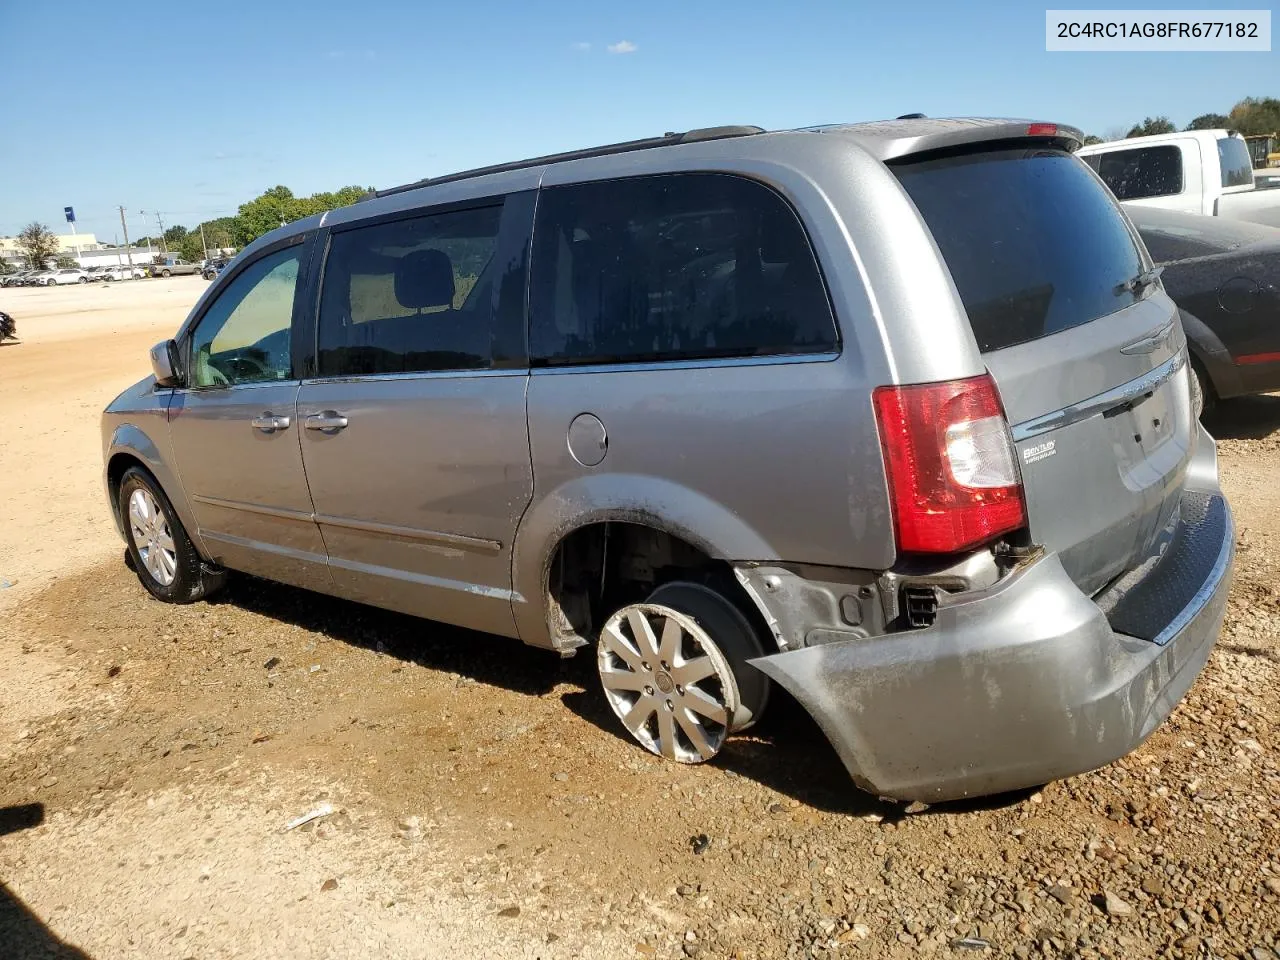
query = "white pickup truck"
{"x": 1200, "y": 171}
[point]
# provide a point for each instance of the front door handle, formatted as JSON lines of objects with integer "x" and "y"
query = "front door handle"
{"x": 327, "y": 420}
{"x": 269, "y": 423}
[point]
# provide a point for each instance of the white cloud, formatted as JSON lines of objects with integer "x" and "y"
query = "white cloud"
{"x": 581, "y": 45}
{"x": 622, "y": 46}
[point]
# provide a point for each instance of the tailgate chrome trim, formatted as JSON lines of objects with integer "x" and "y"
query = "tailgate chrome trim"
{"x": 1115, "y": 397}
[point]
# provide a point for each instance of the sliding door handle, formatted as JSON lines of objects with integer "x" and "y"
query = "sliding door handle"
{"x": 269, "y": 423}
{"x": 327, "y": 420}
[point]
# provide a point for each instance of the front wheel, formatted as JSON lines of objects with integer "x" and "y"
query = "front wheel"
{"x": 82, "y": 280}
{"x": 163, "y": 556}
{"x": 675, "y": 672}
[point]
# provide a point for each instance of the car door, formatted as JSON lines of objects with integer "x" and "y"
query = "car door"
{"x": 234, "y": 430}
{"x": 414, "y": 435}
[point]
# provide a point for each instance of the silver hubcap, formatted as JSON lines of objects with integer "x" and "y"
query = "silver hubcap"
{"x": 152, "y": 537}
{"x": 667, "y": 681}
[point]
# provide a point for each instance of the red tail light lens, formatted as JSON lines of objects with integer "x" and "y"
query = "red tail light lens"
{"x": 953, "y": 477}
{"x": 1042, "y": 130}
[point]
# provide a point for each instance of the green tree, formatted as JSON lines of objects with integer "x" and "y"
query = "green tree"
{"x": 174, "y": 235}
{"x": 66, "y": 262}
{"x": 279, "y": 206}
{"x": 1151, "y": 126}
{"x": 1255, "y": 116}
{"x": 188, "y": 246}
{"x": 38, "y": 244}
{"x": 1209, "y": 121}
{"x": 1090, "y": 140}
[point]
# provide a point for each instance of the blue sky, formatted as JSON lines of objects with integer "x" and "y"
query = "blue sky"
{"x": 193, "y": 108}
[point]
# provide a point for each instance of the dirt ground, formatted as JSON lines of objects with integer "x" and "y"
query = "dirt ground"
{"x": 484, "y": 803}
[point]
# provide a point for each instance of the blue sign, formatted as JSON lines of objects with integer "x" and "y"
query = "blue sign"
{"x": 71, "y": 214}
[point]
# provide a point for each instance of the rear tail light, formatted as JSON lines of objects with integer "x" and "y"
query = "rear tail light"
{"x": 1042, "y": 130}
{"x": 953, "y": 477}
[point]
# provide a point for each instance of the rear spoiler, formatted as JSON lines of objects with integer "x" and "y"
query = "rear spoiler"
{"x": 889, "y": 140}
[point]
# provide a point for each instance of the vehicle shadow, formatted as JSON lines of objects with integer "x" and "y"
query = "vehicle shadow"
{"x": 23, "y": 935}
{"x": 787, "y": 752}
{"x": 1245, "y": 418}
{"x": 482, "y": 657}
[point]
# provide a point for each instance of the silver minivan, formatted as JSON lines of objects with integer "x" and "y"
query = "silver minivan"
{"x": 895, "y": 415}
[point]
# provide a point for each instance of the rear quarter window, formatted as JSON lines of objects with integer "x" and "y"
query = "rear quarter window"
{"x": 1033, "y": 242}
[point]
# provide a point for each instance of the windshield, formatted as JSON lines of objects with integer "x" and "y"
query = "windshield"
{"x": 1033, "y": 241}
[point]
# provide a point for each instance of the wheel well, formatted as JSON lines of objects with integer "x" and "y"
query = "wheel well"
{"x": 603, "y": 566}
{"x": 116, "y": 467}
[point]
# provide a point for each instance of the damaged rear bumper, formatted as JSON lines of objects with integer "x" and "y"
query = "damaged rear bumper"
{"x": 1013, "y": 686}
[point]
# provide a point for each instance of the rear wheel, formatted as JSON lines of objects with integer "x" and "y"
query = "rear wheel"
{"x": 163, "y": 556}
{"x": 1201, "y": 391}
{"x": 674, "y": 671}
{"x": 164, "y": 273}
{"x": 82, "y": 280}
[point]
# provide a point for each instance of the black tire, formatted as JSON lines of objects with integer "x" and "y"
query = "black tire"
{"x": 1202, "y": 396}
{"x": 732, "y": 633}
{"x": 82, "y": 280}
{"x": 165, "y": 273}
{"x": 192, "y": 581}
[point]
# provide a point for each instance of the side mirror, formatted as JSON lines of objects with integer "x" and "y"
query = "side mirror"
{"x": 164, "y": 364}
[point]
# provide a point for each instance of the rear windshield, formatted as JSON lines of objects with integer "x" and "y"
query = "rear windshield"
{"x": 1237, "y": 165}
{"x": 1033, "y": 241}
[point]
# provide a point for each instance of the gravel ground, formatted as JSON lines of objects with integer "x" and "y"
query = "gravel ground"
{"x": 485, "y": 805}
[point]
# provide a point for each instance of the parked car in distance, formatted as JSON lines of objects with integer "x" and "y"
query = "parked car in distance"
{"x": 174, "y": 266}
{"x": 123, "y": 272}
{"x": 16, "y": 279}
{"x": 67, "y": 275}
{"x": 895, "y": 415}
{"x": 94, "y": 273}
{"x": 214, "y": 266}
{"x": 42, "y": 278}
{"x": 1197, "y": 171}
{"x": 1225, "y": 277}
{"x": 1266, "y": 179}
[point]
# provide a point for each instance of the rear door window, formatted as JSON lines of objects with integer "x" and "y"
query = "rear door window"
{"x": 1237, "y": 165}
{"x": 1142, "y": 172}
{"x": 673, "y": 267}
{"x": 1033, "y": 242}
{"x": 410, "y": 296}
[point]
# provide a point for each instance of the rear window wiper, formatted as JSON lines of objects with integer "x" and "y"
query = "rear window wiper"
{"x": 1135, "y": 285}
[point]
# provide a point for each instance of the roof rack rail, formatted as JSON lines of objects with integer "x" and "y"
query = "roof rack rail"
{"x": 648, "y": 143}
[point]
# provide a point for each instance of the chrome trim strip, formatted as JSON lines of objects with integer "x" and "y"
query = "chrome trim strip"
{"x": 411, "y": 533}
{"x": 1100, "y": 403}
{"x": 1207, "y": 589}
{"x": 778, "y": 360}
{"x": 260, "y": 546}
{"x": 421, "y": 375}
{"x": 279, "y": 513}
{"x": 422, "y": 579}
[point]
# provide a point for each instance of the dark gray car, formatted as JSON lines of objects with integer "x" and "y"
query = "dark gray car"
{"x": 892, "y": 414}
{"x": 1225, "y": 277}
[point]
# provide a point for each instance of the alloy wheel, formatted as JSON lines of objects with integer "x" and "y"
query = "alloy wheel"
{"x": 667, "y": 681}
{"x": 152, "y": 537}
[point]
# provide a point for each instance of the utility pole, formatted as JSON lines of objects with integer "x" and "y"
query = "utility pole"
{"x": 128, "y": 252}
{"x": 156, "y": 213}
{"x": 203, "y": 246}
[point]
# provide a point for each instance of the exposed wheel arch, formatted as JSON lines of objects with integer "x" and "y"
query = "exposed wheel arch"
{"x": 602, "y": 565}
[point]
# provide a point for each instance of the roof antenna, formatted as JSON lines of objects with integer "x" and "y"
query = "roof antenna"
{"x": 912, "y": 116}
